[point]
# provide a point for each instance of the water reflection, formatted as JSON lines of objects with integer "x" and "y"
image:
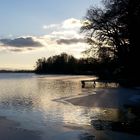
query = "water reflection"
{"x": 128, "y": 121}
{"x": 32, "y": 101}
{"x": 18, "y": 102}
{"x": 86, "y": 136}
{"x": 29, "y": 100}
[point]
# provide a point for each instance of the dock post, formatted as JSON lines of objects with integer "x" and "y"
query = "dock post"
{"x": 94, "y": 84}
{"x": 83, "y": 84}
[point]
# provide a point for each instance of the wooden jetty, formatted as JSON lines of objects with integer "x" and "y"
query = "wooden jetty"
{"x": 94, "y": 81}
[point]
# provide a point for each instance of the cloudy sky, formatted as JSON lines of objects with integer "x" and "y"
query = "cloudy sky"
{"x": 31, "y": 29}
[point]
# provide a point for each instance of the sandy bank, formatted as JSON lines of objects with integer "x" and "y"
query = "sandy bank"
{"x": 108, "y": 98}
{"x": 104, "y": 126}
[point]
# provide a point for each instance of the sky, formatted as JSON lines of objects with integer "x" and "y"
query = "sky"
{"x": 32, "y": 29}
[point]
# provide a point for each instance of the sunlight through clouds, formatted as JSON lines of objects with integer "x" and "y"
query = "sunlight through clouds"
{"x": 32, "y": 29}
{"x": 62, "y": 37}
{"x": 71, "y": 23}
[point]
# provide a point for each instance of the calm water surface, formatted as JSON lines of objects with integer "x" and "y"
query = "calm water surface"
{"x": 33, "y": 101}
{"x": 36, "y": 102}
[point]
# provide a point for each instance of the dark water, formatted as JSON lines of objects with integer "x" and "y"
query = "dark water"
{"x": 36, "y": 103}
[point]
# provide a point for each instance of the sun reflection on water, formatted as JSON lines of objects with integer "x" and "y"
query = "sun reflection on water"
{"x": 37, "y": 102}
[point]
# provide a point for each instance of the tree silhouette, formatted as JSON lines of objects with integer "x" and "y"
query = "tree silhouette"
{"x": 108, "y": 26}
{"x": 134, "y": 30}
{"x": 114, "y": 26}
{"x": 66, "y": 64}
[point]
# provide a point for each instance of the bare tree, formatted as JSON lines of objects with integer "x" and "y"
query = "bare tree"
{"x": 108, "y": 27}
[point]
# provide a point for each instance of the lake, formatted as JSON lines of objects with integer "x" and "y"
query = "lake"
{"x": 37, "y": 103}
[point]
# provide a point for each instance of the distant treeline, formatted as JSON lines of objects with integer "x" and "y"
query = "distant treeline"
{"x": 64, "y": 64}
{"x": 68, "y": 64}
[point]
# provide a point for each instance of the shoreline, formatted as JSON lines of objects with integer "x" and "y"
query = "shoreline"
{"x": 119, "y": 115}
{"x": 108, "y": 98}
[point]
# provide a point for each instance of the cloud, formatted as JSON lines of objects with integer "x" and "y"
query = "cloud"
{"x": 63, "y": 37}
{"x": 20, "y": 50}
{"x": 20, "y": 42}
{"x": 50, "y": 26}
{"x": 67, "y": 24}
{"x": 71, "y": 23}
{"x": 66, "y": 34}
{"x": 71, "y": 41}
